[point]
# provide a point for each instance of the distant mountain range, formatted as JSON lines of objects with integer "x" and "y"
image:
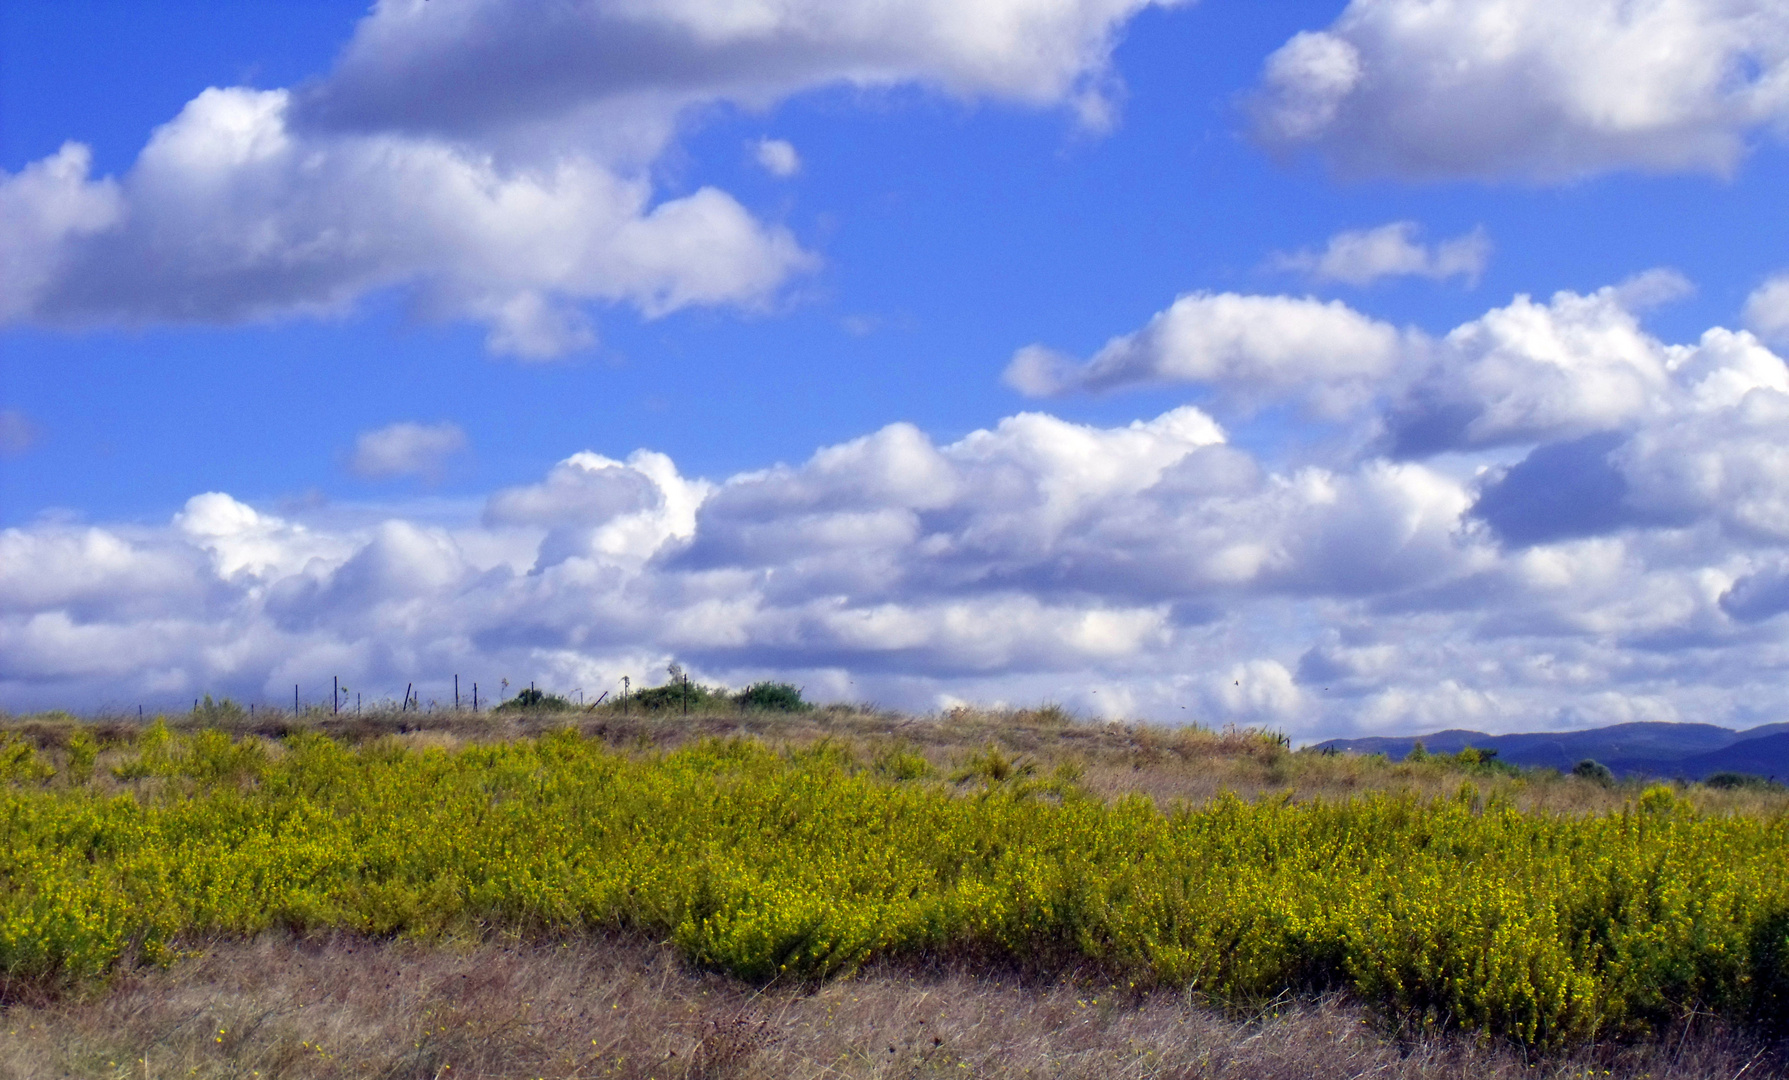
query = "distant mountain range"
{"x": 1690, "y": 751}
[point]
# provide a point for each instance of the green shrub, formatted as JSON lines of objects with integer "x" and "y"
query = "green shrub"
{"x": 991, "y": 766}
{"x": 772, "y": 696}
{"x": 1483, "y": 761}
{"x": 678, "y": 695}
{"x": 19, "y": 760}
{"x": 901, "y": 763}
{"x": 83, "y": 751}
{"x": 221, "y": 711}
{"x": 530, "y": 699}
{"x": 1595, "y": 771}
{"x": 1730, "y": 781}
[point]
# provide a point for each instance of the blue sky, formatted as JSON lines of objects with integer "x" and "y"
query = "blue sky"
{"x": 1167, "y": 360}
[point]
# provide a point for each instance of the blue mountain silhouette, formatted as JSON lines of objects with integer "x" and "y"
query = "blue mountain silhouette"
{"x": 1690, "y": 751}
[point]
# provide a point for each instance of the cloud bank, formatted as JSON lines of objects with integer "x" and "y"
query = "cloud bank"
{"x": 1527, "y": 88}
{"x": 1562, "y": 520}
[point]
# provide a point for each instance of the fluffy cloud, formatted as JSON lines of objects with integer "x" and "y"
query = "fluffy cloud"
{"x": 591, "y": 506}
{"x": 492, "y": 157}
{"x": 1250, "y": 347}
{"x": 406, "y": 449}
{"x": 1363, "y": 256}
{"x": 43, "y": 211}
{"x": 1531, "y": 372}
{"x": 1525, "y": 373}
{"x": 230, "y": 214}
{"x": 1530, "y": 88}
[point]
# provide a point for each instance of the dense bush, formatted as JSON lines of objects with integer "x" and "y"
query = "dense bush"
{"x": 1545, "y": 929}
{"x": 776, "y": 696}
{"x": 1591, "y": 769}
{"x": 532, "y": 699}
{"x": 678, "y": 695}
{"x": 1735, "y": 780}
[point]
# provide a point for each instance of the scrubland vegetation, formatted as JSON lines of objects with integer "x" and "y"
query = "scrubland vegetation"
{"x": 1145, "y": 901}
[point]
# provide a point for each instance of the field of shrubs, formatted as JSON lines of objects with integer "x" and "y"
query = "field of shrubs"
{"x": 795, "y": 863}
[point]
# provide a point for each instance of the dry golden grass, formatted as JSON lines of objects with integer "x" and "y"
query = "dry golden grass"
{"x": 1111, "y": 759}
{"x": 280, "y": 1007}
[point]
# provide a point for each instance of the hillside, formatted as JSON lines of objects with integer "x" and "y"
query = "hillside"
{"x": 1689, "y": 751}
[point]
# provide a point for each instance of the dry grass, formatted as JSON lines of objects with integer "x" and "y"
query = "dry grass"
{"x": 1111, "y": 759}
{"x": 347, "y": 1007}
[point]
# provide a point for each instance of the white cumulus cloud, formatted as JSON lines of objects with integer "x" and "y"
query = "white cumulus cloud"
{"x": 1251, "y": 347}
{"x": 230, "y": 214}
{"x": 1526, "y": 372}
{"x": 44, "y": 210}
{"x": 1530, "y": 88}
{"x": 1530, "y": 372}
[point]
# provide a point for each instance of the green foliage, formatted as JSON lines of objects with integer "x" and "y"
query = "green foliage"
{"x": 1593, "y": 770}
{"x": 153, "y": 753}
{"x": 1472, "y": 758}
{"x": 775, "y": 696}
{"x": 1546, "y": 929}
{"x": 991, "y": 767}
{"x": 1741, "y": 781}
{"x": 83, "y": 751}
{"x": 530, "y": 699}
{"x": 1482, "y": 761}
{"x": 902, "y": 763}
{"x": 20, "y": 761}
{"x": 222, "y": 711}
{"x": 678, "y": 695}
